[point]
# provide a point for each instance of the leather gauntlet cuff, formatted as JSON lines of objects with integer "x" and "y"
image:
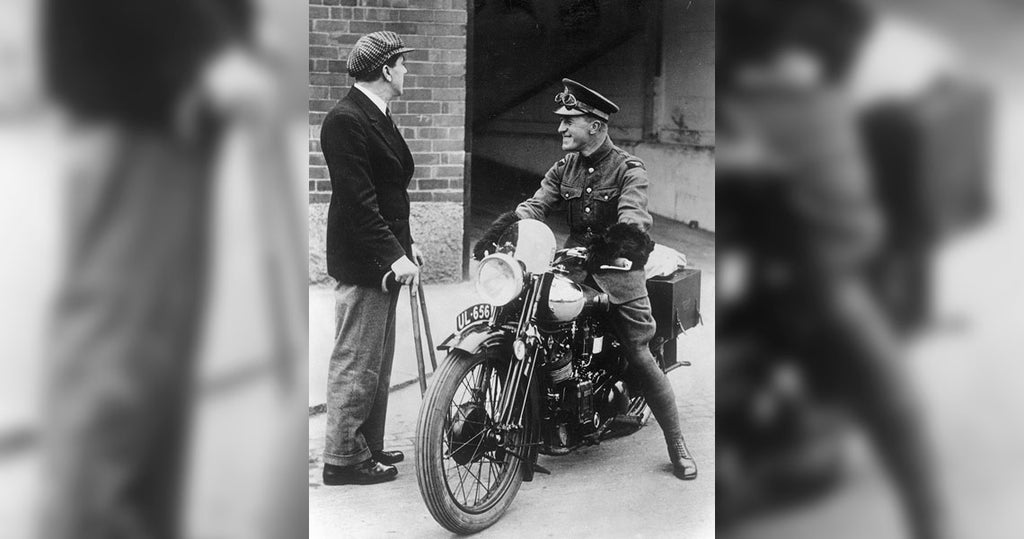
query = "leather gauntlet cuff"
{"x": 621, "y": 240}
{"x": 489, "y": 241}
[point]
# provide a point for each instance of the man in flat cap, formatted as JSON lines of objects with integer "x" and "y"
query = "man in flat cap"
{"x": 368, "y": 239}
{"x": 604, "y": 190}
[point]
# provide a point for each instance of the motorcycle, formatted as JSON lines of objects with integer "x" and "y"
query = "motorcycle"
{"x": 534, "y": 369}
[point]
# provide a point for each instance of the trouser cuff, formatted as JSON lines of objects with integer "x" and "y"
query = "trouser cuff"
{"x": 347, "y": 460}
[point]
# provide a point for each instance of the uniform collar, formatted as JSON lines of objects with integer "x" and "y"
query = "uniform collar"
{"x": 602, "y": 151}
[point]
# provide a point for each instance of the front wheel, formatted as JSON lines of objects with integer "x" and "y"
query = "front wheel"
{"x": 468, "y": 472}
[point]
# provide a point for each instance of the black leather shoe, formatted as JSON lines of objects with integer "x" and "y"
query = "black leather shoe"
{"x": 388, "y": 457}
{"x": 368, "y": 472}
{"x": 683, "y": 465}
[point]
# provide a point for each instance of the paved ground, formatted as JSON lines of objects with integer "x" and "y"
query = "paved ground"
{"x": 620, "y": 488}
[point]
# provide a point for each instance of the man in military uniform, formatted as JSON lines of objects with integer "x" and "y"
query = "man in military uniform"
{"x": 604, "y": 190}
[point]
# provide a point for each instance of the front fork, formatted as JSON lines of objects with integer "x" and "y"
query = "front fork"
{"x": 524, "y": 360}
{"x": 522, "y": 391}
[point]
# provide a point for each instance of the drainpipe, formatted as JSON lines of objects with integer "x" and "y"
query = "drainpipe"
{"x": 652, "y": 67}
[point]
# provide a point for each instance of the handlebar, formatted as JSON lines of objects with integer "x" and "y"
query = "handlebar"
{"x": 575, "y": 252}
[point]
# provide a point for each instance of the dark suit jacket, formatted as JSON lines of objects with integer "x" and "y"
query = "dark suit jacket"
{"x": 370, "y": 166}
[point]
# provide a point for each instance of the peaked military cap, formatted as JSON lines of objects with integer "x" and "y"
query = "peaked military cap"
{"x": 576, "y": 100}
{"x": 372, "y": 51}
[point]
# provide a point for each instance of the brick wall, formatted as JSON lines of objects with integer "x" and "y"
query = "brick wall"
{"x": 431, "y": 113}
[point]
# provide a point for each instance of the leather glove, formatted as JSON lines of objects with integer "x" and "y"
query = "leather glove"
{"x": 621, "y": 240}
{"x": 489, "y": 241}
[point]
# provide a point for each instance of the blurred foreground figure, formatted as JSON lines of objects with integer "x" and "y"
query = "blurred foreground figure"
{"x": 786, "y": 120}
{"x": 146, "y": 87}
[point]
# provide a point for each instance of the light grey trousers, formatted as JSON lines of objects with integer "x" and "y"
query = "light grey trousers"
{"x": 360, "y": 373}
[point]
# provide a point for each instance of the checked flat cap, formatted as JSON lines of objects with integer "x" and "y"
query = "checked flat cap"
{"x": 372, "y": 51}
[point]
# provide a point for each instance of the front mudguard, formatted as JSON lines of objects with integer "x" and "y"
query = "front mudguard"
{"x": 474, "y": 338}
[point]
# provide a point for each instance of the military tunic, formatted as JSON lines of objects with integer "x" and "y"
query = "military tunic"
{"x": 607, "y": 187}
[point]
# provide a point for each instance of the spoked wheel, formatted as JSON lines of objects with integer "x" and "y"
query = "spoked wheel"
{"x": 466, "y": 470}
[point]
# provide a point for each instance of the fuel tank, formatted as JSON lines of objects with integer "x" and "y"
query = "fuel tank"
{"x": 566, "y": 299}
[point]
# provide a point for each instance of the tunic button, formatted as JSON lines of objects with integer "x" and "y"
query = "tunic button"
{"x": 590, "y": 170}
{"x": 589, "y": 189}
{"x": 587, "y": 209}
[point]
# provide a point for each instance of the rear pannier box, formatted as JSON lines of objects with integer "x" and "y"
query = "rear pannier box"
{"x": 675, "y": 304}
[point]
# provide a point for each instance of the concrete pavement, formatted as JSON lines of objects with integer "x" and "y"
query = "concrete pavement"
{"x": 620, "y": 488}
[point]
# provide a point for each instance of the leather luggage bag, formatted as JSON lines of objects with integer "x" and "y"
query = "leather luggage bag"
{"x": 675, "y": 305}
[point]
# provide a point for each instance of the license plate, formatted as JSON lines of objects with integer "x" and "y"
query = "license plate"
{"x": 474, "y": 314}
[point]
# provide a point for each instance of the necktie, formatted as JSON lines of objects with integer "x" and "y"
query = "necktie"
{"x": 391, "y": 119}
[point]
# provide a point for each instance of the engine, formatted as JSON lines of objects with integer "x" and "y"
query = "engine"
{"x": 582, "y": 366}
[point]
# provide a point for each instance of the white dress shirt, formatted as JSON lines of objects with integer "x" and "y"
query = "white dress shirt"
{"x": 381, "y": 104}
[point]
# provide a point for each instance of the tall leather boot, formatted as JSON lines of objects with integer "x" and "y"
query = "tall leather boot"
{"x": 634, "y": 324}
{"x": 662, "y": 401}
{"x": 683, "y": 465}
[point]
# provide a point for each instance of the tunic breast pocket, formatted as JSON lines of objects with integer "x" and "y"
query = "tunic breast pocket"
{"x": 572, "y": 200}
{"x": 606, "y": 205}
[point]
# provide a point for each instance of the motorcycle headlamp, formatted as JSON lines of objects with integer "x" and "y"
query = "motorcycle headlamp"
{"x": 499, "y": 279}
